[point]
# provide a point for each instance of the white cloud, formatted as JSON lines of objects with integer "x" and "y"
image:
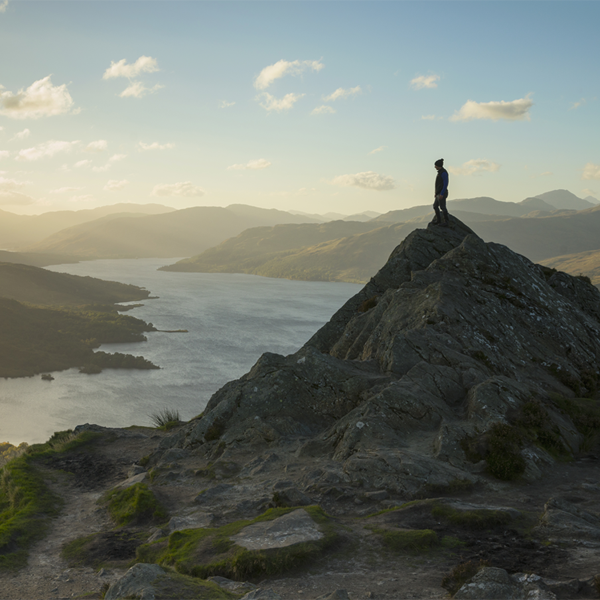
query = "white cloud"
{"x": 40, "y": 99}
{"x": 578, "y": 104}
{"x": 424, "y": 82}
{"x": 4, "y": 154}
{"x": 260, "y": 163}
{"x": 271, "y": 103}
{"x": 3, "y": 5}
{"x": 65, "y": 190}
{"x": 116, "y": 157}
{"x": 283, "y": 67}
{"x": 342, "y": 93}
{"x": 591, "y": 171}
{"x": 144, "y": 64}
{"x": 9, "y": 194}
{"x": 97, "y": 146}
{"x": 184, "y": 188}
{"x": 380, "y": 149}
{"x": 323, "y": 110}
{"x": 21, "y": 135}
{"x": 46, "y": 150}
{"x": 138, "y": 90}
{"x": 155, "y": 146}
{"x": 472, "y": 167}
{"x": 428, "y": 118}
{"x": 368, "y": 180}
{"x": 225, "y": 104}
{"x": 517, "y": 110}
{"x": 82, "y": 163}
{"x": 115, "y": 186}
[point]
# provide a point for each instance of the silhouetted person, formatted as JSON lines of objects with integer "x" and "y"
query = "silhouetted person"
{"x": 441, "y": 193}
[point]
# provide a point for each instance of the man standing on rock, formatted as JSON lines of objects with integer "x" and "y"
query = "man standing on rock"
{"x": 441, "y": 193}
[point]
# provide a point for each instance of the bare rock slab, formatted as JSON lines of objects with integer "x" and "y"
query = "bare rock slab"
{"x": 293, "y": 528}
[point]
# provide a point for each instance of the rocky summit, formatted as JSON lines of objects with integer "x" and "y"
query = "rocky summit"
{"x": 457, "y": 358}
{"x": 438, "y": 436}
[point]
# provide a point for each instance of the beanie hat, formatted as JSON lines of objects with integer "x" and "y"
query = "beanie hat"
{"x": 439, "y": 163}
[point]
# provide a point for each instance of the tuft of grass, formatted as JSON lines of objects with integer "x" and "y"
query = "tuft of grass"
{"x": 210, "y": 552}
{"x": 368, "y": 304}
{"x": 165, "y": 419}
{"x": 585, "y": 415}
{"x": 478, "y": 519}
{"x": 460, "y": 574}
{"x": 134, "y": 505}
{"x": 175, "y": 585}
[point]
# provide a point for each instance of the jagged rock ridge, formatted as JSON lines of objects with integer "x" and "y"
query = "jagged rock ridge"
{"x": 451, "y": 336}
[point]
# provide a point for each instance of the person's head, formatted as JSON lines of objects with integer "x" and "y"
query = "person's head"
{"x": 439, "y": 164}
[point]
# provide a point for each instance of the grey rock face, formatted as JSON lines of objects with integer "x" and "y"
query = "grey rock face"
{"x": 137, "y": 583}
{"x": 458, "y": 335}
{"x": 292, "y": 528}
{"x": 565, "y": 522}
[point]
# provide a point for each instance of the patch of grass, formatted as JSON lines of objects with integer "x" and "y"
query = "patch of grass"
{"x": 585, "y": 415}
{"x": 26, "y": 503}
{"x": 409, "y": 540}
{"x": 214, "y": 432}
{"x": 208, "y": 552}
{"x": 460, "y": 574}
{"x": 134, "y": 505}
{"x": 479, "y": 519}
{"x": 165, "y": 419}
{"x": 182, "y": 587}
{"x": 368, "y": 304}
{"x": 103, "y": 549}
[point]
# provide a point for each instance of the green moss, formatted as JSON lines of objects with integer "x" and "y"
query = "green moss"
{"x": 110, "y": 549}
{"x": 182, "y": 587}
{"x": 368, "y": 304}
{"x": 410, "y": 540}
{"x": 209, "y": 552}
{"x": 134, "y": 505}
{"x": 478, "y": 519}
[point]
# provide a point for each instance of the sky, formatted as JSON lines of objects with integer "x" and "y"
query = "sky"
{"x": 339, "y": 106}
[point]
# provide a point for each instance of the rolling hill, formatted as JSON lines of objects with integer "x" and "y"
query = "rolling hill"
{"x": 178, "y": 233}
{"x": 34, "y": 285}
{"x": 17, "y": 232}
{"x": 582, "y": 263}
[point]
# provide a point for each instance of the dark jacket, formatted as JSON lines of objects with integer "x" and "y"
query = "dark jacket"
{"x": 441, "y": 183}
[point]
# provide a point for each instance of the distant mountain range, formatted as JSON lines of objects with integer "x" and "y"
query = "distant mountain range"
{"x": 176, "y": 233}
{"x": 351, "y": 255}
{"x": 17, "y": 232}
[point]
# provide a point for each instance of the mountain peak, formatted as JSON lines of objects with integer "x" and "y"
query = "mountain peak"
{"x": 452, "y": 339}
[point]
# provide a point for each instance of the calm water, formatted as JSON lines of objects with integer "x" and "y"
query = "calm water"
{"x": 231, "y": 319}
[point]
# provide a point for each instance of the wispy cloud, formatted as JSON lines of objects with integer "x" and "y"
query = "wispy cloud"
{"x": 40, "y": 99}
{"x": 111, "y": 160}
{"x": 46, "y": 150}
{"x": 155, "y": 146}
{"x": 283, "y": 67}
{"x": 342, "y": 93}
{"x": 323, "y": 110}
{"x": 65, "y": 190}
{"x": 21, "y": 135}
{"x": 138, "y": 90}
{"x": 4, "y": 154}
{"x": 3, "y": 5}
{"x": 10, "y": 194}
{"x": 225, "y": 104}
{"x": 270, "y": 103}
{"x": 144, "y": 64}
{"x": 578, "y": 104}
{"x": 380, "y": 149}
{"x": 114, "y": 185}
{"x": 516, "y": 110}
{"x": 260, "y": 163}
{"x": 472, "y": 167}
{"x": 184, "y": 188}
{"x": 368, "y": 180}
{"x": 82, "y": 198}
{"x": 82, "y": 163}
{"x": 97, "y": 146}
{"x": 591, "y": 171}
{"x": 424, "y": 82}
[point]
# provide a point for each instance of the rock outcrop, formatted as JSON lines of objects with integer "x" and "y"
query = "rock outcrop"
{"x": 404, "y": 386}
